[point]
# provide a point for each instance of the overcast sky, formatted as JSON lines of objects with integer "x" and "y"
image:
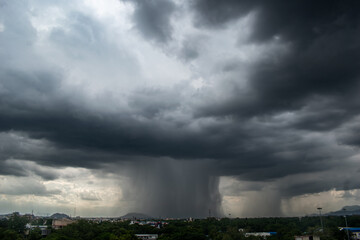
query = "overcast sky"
{"x": 175, "y": 108}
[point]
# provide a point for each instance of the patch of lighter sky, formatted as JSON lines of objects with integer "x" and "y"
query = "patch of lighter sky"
{"x": 128, "y": 62}
{"x": 116, "y": 12}
{"x": 71, "y": 190}
{"x": 306, "y": 204}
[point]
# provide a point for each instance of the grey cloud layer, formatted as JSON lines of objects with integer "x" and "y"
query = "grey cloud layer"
{"x": 323, "y": 58}
{"x": 24, "y": 186}
{"x": 153, "y": 19}
{"x": 294, "y": 116}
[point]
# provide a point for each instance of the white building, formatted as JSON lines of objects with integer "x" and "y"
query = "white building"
{"x": 147, "y": 236}
{"x": 260, "y": 234}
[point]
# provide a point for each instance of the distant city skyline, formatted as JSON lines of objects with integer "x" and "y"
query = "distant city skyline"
{"x": 179, "y": 108}
{"x": 353, "y": 210}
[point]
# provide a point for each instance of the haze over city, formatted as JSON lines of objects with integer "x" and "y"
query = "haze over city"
{"x": 172, "y": 108}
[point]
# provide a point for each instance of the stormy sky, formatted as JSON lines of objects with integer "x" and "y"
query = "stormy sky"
{"x": 179, "y": 108}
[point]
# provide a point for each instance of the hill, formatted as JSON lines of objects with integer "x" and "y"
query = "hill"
{"x": 347, "y": 210}
{"x": 59, "y": 216}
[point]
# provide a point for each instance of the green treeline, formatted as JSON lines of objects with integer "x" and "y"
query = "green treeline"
{"x": 201, "y": 229}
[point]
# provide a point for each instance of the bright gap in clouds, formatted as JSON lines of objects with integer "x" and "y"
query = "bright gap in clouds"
{"x": 87, "y": 192}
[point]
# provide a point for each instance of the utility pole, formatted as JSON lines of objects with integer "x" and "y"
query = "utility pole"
{"x": 321, "y": 222}
{"x": 347, "y": 229}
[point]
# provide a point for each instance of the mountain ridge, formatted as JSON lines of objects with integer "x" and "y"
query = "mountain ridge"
{"x": 346, "y": 210}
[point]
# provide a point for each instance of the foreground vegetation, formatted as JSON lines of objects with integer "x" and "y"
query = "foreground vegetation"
{"x": 202, "y": 229}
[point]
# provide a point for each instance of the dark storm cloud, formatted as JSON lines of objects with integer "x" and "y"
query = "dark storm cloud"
{"x": 153, "y": 19}
{"x": 149, "y": 102}
{"x": 38, "y": 90}
{"x": 235, "y": 188}
{"x": 323, "y": 114}
{"x": 325, "y": 181}
{"x": 118, "y": 135}
{"x": 313, "y": 83}
{"x": 249, "y": 150}
{"x": 295, "y": 20}
{"x": 23, "y": 168}
{"x": 323, "y": 56}
{"x": 270, "y": 154}
{"x": 349, "y": 133}
{"x": 283, "y": 124}
{"x": 8, "y": 169}
{"x": 215, "y": 14}
{"x": 45, "y": 174}
{"x": 190, "y": 49}
{"x": 42, "y": 115}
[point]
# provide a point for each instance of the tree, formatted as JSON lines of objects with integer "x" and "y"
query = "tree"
{"x": 35, "y": 234}
{"x": 17, "y": 223}
{"x": 10, "y": 234}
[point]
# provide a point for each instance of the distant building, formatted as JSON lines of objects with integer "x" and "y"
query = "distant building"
{"x": 157, "y": 224}
{"x": 147, "y": 236}
{"x": 307, "y": 237}
{"x": 60, "y": 223}
{"x": 14, "y": 214}
{"x": 29, "y": 216}
{"x": 43, "y": 228}
{"x": 260, "y": 234}
{"x": 354, "y": 232}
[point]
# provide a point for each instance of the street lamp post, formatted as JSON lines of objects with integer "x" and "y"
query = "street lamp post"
{"x": 347, "y": 229}
{"x": 321, "y": 222}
